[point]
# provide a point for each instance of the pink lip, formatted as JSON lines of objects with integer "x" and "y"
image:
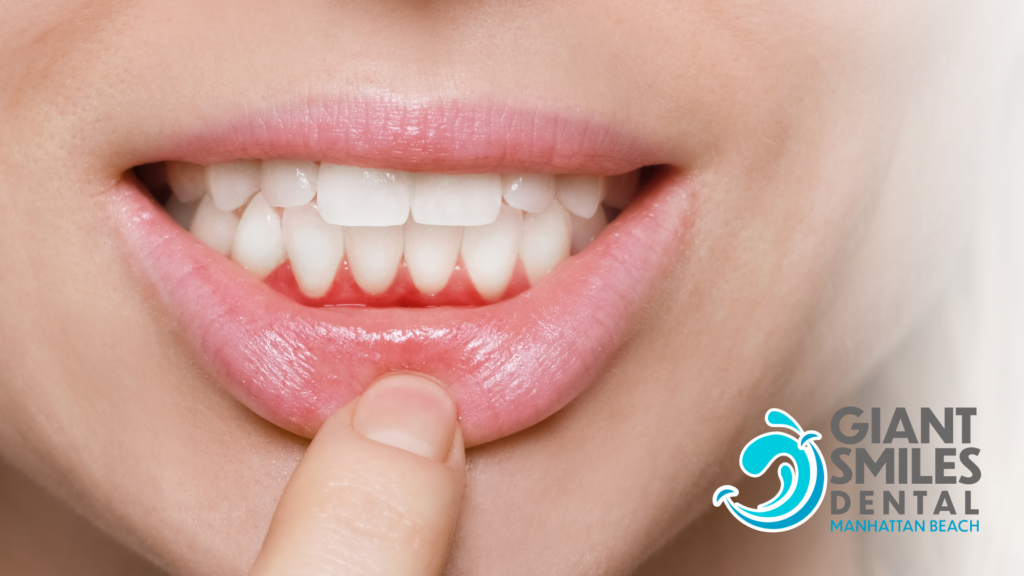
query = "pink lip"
{"x": 508, "y": 365}
{"x": 385, "y": 131}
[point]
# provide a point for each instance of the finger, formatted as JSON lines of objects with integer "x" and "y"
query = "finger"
{"x": 378, "y": 489}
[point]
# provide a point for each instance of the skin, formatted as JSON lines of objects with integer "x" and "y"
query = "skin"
{"x": 829, "y": 147}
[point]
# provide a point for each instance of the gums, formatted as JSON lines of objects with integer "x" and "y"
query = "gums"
{"x": 403, "y": 293}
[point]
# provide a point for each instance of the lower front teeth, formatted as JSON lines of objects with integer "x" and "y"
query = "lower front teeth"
{"x": 585, "y": 230}
{"x": 320, "y": 216}
{"x": 490, "y": 252}
{"x": 547, "y": 240}
{"x": 431, "y": 253}
{"x": 214, "y": 226}
{"x": 374, "y": 254}
{"x": 259, "y": 241}
{"x": 314, "y": 247}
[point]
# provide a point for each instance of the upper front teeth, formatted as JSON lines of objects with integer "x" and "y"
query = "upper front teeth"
{"x": 264, "y": 213}
{"x": 232, "y": 184}
{"x": 456, "y": 200}
{"x": 528, "y": 192}
{"x": 581, "y": 195}
{"x": 350, "y": 196}
{"x": 287, "y": 183}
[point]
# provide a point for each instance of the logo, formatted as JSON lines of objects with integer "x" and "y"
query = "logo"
{"x": 802, "y": 476}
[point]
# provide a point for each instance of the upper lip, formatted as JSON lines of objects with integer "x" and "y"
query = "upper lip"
{"x": 387, "y": 131}
{"x": 508, "y": 365}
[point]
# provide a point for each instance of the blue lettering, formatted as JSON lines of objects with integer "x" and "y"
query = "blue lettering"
{"x": 975, "y": 524}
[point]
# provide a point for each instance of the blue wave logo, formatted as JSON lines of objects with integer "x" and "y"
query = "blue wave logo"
{"x": 802, "y": 476}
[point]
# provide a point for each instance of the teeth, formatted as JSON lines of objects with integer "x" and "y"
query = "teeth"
{"x": 287, "y": 183}
{"x": 490, "y": 252}
{"x": 318, "y": 216}
{"x": 622, "y": 189}
{"x": 529, "y": 192}
{"x": 584, "y": 230}
{"x": 431, "y": 253}
{"x": 456, "y": 200}
{"x": 547, "y": 238}
{"x": 259, "y": 242}
{"x": 233, "y": 183}
{"x": 181, "y": 213}
{"x": 374, "y": 253}
{"x": 315, "y": 248}
{"x": 215, "y": 227}
{"x": 351, "y": 196}
{"x": 581, "y": 195}
{"x": 187, "y": 181}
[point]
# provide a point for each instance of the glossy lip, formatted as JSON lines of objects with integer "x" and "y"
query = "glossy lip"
{"x": 508, "y": 365}
{"x": 383, "y": 130}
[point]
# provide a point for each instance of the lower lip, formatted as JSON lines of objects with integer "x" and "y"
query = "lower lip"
{"x": 508, "y": 365}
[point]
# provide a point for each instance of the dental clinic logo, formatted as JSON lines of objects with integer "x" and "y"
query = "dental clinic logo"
{"x": 802, "y": 476}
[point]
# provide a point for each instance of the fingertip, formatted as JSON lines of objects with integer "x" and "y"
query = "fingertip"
{"x": 410, "y": 412}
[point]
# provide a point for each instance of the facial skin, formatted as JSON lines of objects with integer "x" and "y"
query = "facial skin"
{"x": 828, "y": 151}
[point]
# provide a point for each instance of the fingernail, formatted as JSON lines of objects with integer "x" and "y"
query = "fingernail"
{"x": 408, "y": 412}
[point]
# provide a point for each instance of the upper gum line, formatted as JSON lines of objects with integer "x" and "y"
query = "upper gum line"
{"x": 319, "y": 215}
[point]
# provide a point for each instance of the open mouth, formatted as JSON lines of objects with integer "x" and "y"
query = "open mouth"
{"x": 300, "y": 278}
{"x": 325, "y": 234}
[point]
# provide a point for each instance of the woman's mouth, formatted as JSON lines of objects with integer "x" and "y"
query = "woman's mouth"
{"x": 303, "y": 279}
{"x": 331, "y": 235}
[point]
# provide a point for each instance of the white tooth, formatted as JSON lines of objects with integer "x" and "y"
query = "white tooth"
{"x": 456, "y": 200}
{"x": 580, "y": 195}
{"x": 314, "y": 247}
{"x": 529, "y": 192}
{"x": 351, "y": 196}
{"x": 490, "y": 252}
{"x": 231, "y": 184}
{"x": 374, "y": 254}
{"x": 259, "y": 242}
{"x": 287, "y": 183}
{"x": 215, "y": 227}
{"x": 187, "y": 181}
{"x": 547, "y": 238}
{"x": 431, "y": 253}
{"x": 181, "y": 212}
{"x": 584, "y": 230}
{"x": 622, "y": 189}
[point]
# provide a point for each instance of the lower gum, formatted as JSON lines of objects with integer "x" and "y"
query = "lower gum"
{"x": 403, "y": 293}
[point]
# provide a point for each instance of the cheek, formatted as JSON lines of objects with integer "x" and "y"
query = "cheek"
{"x": 103, "y": 405}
